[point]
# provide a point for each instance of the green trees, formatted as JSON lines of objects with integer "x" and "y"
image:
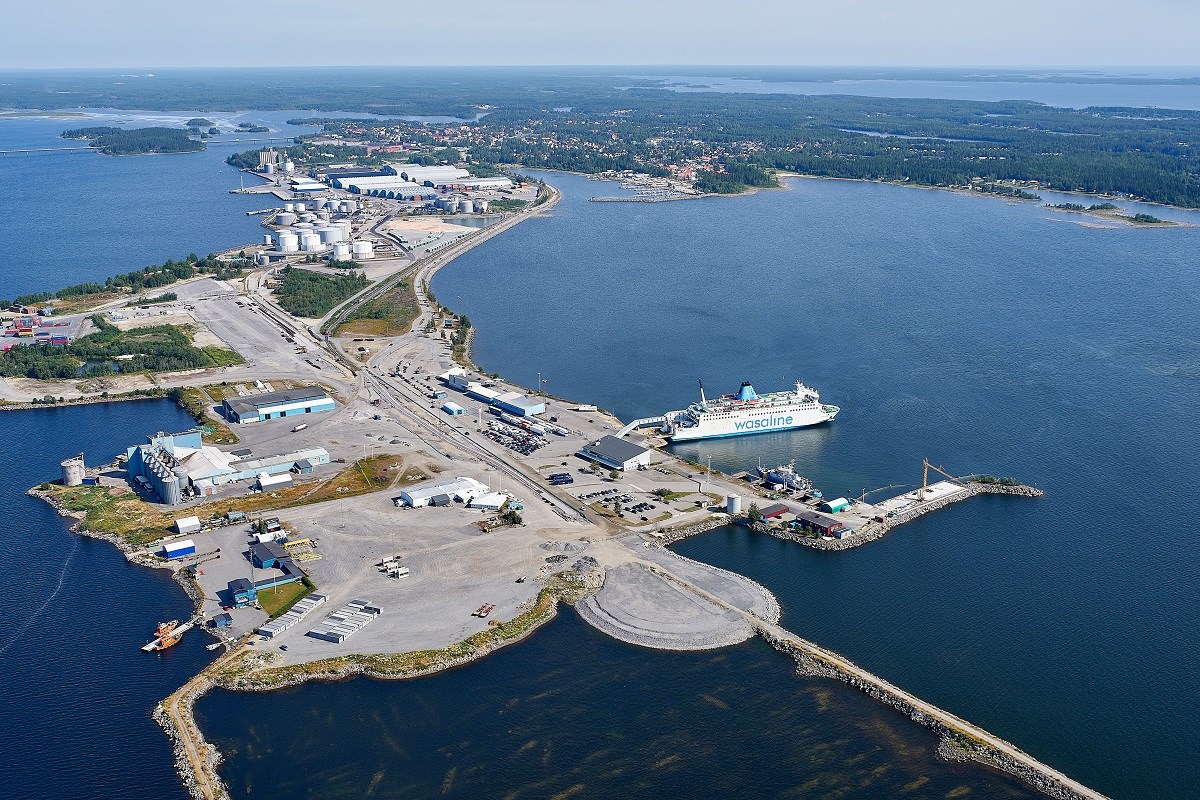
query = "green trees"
{"x": 134, "y": 141}
{"x": 754, "y": 513}
{"x": 311, "y": 294}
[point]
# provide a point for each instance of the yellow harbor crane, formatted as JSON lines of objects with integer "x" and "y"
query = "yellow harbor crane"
{"x": 925, "y": 478}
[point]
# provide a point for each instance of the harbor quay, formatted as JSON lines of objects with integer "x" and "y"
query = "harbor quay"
{"x": 370, "y": 504}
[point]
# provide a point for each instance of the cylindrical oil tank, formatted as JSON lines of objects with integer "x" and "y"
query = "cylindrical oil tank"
{"x": 268, "y": 169}
{"x": 330, "y": 234}
{"x": 289, "y": 167}
{"x": 347, "y": 206}
{"x": 261, "y": 259}
{"x": 73, "y": 470}
{"x": 268, "y": 239}
{"x": 289, "y": 206}
{"x": 300, "y": 207}
{"x": 341, "y": 251}
{"x": 481, "y": 206}
{"x": 363, "y": 250}
{"x": 288, "y": 242}
{"x": 346, "y": 227}
{"x": 286, "y": 218}
{"x": 310, "y": 242}
{"x": 733, "y": 505}
{"x": 308, "y": 216}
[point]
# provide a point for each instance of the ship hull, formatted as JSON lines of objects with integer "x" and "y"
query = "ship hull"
{"x": 726, "y": 428}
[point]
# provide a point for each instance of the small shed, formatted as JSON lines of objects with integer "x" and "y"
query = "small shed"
{"x": 188, "y": 525}
{"x": 453, "y": 409}
{"x": 222, "y": 620}
{"x": 303, "y": 467}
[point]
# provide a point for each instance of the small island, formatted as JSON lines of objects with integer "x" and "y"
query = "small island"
{"x": 200, "y": 122}
{"x": 1111, "y": 211}
{"x": 136, "y": 141}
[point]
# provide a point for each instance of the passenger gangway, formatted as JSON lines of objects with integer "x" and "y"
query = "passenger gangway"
{"x": 644, "y": 422}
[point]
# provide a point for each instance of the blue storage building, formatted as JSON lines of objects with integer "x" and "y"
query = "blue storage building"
{"x": 274, "y": 405}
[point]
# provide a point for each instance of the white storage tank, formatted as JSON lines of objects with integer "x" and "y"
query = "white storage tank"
{"x": 288, "y": 241}
{"x": 341, "y": 251}
{"x": 330, "y": 234}
{"x": 299, "y": 207}
{"x": 308, "y": 217}
{"x": 289, "y": 167}
{"x": 733, "y": 505}
{"x": 323, "y": 216}
{"x": 345, "y": 226}
{"x": 261, "y": 259}
{"x": 347, "y": 206}
{"x": 268, "y": 239}
{"x": 289, "y": 206}
{"x": 362, "y": 250}
{"x": 286, "y": 218}
{"x": 481, "y": 206}
{"x": 310, "y": 242}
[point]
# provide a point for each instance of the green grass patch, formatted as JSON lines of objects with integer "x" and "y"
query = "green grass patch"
{"x": 220, "y": 357}
{"x": 390, "y": 314}
{"x": 278, "y": 600}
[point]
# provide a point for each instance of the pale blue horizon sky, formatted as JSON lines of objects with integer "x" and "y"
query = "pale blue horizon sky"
{"x": 221, "y": 33}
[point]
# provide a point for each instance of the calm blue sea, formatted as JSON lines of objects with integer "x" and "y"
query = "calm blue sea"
{"x": 984, "y": 334}
{"x": 987, "y": 335}
{"x": 76, "y": 692}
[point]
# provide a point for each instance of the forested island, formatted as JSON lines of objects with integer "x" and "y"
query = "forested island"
{"x": 1111, "y": 211}
{"x": 593, "y": 122}
{"x": 137, "y": 141}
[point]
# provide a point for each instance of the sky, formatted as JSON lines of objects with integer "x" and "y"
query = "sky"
{"x": 212, "y": 33}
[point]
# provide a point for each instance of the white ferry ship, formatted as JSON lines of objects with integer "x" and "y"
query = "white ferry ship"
{"x": 748, "y": 412}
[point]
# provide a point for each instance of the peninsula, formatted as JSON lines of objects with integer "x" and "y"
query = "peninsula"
{"x": 356, "y": 462}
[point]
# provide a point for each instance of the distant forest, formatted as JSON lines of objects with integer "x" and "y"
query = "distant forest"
{"x": 600, "y": 121}
{"x": 137, "y": 141}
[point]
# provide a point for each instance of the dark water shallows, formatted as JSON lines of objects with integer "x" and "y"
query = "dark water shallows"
{"x": 570, "y": 712}
{"x": 987, "y": 335}
{"x": 76, "y": 691}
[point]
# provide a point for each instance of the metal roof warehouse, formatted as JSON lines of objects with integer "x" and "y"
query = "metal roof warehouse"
{"x": 616, "y": 453}
{"x": 273, "y": 405}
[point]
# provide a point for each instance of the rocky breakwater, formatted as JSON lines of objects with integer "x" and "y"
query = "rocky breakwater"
{"x": 960, "y": 740}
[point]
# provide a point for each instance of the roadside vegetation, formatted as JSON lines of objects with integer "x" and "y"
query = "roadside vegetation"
{"x": 303, "y": 293}
{"x": 390, "y": 314}
{"x": 156, "y": 348}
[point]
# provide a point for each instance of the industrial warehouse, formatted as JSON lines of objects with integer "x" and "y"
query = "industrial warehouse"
{"x": 174, "y": 467}
{"x": 274, "y": 405}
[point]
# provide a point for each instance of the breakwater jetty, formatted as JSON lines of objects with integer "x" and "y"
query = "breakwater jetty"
{"x": 960, "y": 739}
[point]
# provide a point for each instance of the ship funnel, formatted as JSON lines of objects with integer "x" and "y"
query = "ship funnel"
{"x": 747, "y": 392}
